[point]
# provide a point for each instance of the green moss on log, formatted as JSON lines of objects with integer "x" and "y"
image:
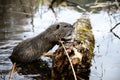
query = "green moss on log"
{"x": 85, "y": 36}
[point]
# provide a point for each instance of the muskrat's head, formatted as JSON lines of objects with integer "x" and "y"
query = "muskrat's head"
{"x": 60, "y": 31}
{"x": 64, "y": 30}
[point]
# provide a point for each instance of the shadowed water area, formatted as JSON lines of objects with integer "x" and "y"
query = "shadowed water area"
{"x": 15, "y": 27}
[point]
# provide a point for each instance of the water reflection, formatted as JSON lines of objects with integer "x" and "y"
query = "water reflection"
{"x": 106, "y": 65}
{"x": 15, "y": 27}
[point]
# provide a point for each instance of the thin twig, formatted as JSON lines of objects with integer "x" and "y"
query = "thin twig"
{"x": 114, "y": 26}
{"x": 116, "y": 35}
{"x": 111, "y": 30}
{"x": 12, "y": 71}
{"x": 24, "y": 13}
{"x": 69, "y": 61}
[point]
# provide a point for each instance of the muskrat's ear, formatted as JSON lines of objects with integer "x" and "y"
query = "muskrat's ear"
{"x": 57, "y": 27}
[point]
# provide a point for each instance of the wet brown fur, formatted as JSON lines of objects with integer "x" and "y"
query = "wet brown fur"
{"x": 32, "y": 48}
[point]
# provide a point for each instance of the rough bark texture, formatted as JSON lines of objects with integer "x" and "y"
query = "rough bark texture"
{"x": 80, "y": 50}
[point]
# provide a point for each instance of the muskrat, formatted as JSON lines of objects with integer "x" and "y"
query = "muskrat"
{"x": 32, "y": 48}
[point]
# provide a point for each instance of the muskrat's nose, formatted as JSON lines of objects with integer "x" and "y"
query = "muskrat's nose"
{"x": 73, "y": 27}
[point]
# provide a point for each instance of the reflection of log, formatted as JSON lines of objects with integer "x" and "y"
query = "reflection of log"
{"x": 80, "y": 51}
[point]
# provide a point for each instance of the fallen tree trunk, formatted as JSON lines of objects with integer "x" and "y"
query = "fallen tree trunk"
{"x": 80, "y": 51}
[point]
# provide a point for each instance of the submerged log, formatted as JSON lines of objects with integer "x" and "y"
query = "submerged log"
{"x": 80, "y": 51}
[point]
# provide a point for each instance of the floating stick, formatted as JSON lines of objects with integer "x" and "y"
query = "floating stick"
{"x": 12, "y": 71}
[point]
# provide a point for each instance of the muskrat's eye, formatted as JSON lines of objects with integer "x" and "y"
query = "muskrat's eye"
{"x": 57, "y": 27}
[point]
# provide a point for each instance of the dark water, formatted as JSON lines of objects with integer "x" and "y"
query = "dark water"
{"x": 106, "y": 62}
